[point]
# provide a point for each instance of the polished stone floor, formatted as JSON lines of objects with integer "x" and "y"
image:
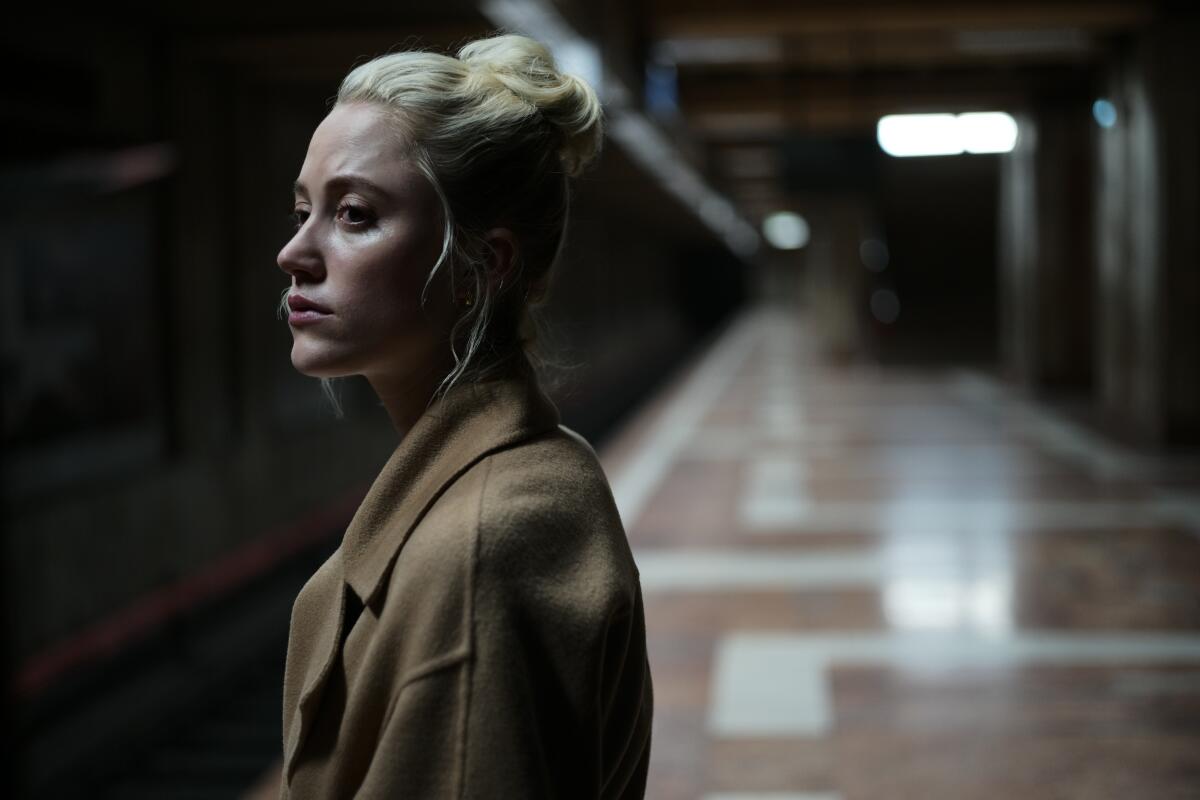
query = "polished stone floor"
{"x": 870, "y": 583}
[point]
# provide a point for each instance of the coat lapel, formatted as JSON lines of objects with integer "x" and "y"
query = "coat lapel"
{"x": 317, "y": 632}
{"x": 468, "y": 423}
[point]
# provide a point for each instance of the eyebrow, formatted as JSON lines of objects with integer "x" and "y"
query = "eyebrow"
{"x": 342, "y": 182}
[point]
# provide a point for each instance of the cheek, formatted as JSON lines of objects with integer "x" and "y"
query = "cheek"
{"x": 406, "y": 266}
{"x": 384, "y": 287}
{"x": 396, "y": 284}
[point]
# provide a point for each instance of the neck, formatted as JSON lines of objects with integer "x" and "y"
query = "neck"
{"x": 406, "y": 396}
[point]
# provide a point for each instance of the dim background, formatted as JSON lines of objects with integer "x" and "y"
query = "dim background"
{"x": 170, "y": 481}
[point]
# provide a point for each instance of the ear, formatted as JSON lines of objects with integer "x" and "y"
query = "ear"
{"x": 503, "y": 255}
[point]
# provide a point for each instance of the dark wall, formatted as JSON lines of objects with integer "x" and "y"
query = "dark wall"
{"x": 1047, "y": 279}
{"x": 939, "y": 219}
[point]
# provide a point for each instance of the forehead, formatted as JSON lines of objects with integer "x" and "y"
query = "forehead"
{"x": 358, "y": 139}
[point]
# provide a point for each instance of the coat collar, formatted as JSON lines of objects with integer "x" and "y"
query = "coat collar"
{"x": 469, "y": 422}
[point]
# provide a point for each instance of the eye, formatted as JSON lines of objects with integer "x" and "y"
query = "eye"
{"x": 354, "y": 216}
{"x": 298, "y": 216}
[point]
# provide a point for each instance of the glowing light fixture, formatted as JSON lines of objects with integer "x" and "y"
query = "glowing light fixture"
{"x": 786, "y": 230}
{"x": 947, "y": 134}
{"x": 988, "y": 132}
{"x": 919, "y": 135}
{"x": 1104, "y": 112}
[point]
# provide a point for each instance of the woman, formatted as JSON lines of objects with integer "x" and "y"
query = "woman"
{"x": 479, "y": 632}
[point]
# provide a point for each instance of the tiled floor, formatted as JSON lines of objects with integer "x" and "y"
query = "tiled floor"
{"x": 867, "y": 584}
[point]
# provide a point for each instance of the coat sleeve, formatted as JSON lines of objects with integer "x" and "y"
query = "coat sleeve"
{"x": 560, "y": 693}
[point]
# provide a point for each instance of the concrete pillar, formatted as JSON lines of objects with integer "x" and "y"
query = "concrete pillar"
{"x": 833, "y": 278}
{"x": 1045, "y": 264}
{"x": 1148, "y": 355}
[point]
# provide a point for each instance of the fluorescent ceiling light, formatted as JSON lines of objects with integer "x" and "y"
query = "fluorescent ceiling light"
{"x": 919, "y": 135}
{"x": 987, "y": 132}
{"x": 947, "y": 134}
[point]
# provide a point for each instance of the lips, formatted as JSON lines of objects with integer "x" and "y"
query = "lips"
{"x": 302, "y": 311}
{"x": 300, "y": 303}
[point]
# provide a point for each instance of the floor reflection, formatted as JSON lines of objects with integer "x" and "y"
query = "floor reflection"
{"x": 870, "y": 583}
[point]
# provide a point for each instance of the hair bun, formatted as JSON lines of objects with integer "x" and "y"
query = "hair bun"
{"x": 527, "y": 69}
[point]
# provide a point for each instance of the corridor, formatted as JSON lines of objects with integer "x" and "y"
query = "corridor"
{"x": 866, "y": 583}
{"x": 883, "y": 318}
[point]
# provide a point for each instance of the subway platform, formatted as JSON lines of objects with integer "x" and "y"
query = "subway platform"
{"x": 868, "y": 583}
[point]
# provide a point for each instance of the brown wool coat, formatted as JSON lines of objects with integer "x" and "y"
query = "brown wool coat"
{"x": 479, "y": 633}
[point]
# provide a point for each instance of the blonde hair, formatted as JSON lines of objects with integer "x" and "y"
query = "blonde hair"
{"x": 498, "y": 131}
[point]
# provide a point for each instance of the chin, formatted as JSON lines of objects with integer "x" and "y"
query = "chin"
{"x": 318, "y": 365}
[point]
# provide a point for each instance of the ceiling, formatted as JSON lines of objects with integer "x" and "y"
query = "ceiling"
{"x": 754, "y": 75}
{"x": 752, "y": 80}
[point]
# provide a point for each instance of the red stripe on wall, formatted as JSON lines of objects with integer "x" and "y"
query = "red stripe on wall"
{"x": 149, "y": 612}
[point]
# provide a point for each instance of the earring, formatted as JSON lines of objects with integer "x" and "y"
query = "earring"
{"x": 468, "y": 301}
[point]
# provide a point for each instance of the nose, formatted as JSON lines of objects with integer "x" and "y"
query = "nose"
{"x": 301, "y": 258}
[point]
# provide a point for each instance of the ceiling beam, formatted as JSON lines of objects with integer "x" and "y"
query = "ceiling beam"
{"x": 920, "y": 49}
{"x": 678, "y": 18}
{"x": 721, "y": 107}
